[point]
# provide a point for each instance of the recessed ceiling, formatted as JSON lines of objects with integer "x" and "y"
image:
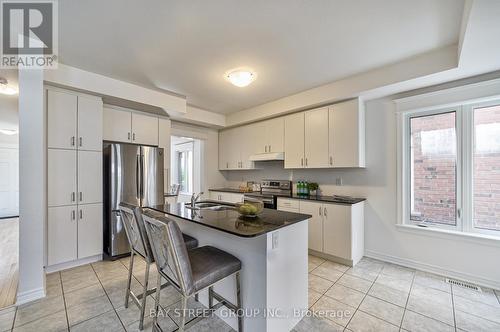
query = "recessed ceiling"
{"x": 294, "y": 45}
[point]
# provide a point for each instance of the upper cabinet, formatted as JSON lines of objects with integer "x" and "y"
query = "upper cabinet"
{"x": 270, "y": 135}
{"x": 236, "y": 145}
{"x": 126, "y": 126}
{"x": 294, "y": 140}
{"x": 316, "y": 138}
{"x": 347, "y": 134}
{"x": 73, "y": 121}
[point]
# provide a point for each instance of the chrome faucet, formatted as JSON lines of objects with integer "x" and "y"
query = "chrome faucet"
{"x": 195, "y": 198}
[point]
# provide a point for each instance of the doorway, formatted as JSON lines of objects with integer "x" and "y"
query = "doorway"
{"x": 185, "y": 166}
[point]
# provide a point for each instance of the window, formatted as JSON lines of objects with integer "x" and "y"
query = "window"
{"x": 450, "y": 168}
{"x": 184, "y": 160}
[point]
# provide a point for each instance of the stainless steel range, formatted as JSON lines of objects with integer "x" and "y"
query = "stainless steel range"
{"x": 270, "y": 190}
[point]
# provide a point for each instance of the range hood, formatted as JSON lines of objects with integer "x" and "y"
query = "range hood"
{"x": 268, "y": 156}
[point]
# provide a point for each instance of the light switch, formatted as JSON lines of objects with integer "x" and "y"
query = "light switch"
{"x": 275, "y": 240}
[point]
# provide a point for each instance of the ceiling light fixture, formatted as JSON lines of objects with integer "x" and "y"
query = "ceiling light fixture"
{"x": 5, "y": 88}
{"x": 240, "y": 77}
{"x": 9, "y": 132}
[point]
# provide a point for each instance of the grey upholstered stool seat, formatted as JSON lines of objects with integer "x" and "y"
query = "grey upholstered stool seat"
{"x": 139, "y": 245}
{"x": 189, "y": 271}
{"x": 210, "y": 265}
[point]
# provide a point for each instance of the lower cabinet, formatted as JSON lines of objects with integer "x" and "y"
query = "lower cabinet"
{"x": 226, "y": 197}
{"x": 73, "y": 232}
{"x": 335, "y": 230}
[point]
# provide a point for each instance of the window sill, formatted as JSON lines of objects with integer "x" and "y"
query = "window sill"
{"x": 476, "y": 238}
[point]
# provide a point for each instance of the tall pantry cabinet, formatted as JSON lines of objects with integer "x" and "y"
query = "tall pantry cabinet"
{"x": 74, "y": 179}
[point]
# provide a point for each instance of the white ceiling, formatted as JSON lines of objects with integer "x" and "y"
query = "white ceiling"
{"x": 294, "y": 45}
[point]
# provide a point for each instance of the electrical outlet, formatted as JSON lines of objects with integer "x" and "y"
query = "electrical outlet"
{"x": 275, "y": 240}
{"x": 338, "y": 181}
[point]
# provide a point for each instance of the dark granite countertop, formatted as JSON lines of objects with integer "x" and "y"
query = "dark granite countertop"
{"x": 169, "y": 195}
{"x": 230, "y": 190}
{"x": 229, "y": 221}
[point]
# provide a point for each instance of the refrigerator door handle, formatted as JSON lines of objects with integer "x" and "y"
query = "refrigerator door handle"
{"x": 138, "y": 176}
{"x": 142, "y": 176}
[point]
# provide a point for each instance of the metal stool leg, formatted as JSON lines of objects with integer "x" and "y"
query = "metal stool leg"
{"x": 157, "y": 302}
{"x": 144, "y": 296}
{"x": 129, "y": 282}
{"x": 210, "y": 297}
{"x": 238, "y": 302}
{"x": 183, "y": 313}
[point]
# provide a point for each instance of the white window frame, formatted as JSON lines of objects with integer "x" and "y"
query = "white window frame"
{"x": 464, "y": 168}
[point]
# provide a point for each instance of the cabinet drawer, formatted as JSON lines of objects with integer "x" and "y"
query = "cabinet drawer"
{"x": 288, "y": 204}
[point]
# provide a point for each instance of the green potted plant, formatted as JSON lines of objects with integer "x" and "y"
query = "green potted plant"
{"x": 313, "y": 188}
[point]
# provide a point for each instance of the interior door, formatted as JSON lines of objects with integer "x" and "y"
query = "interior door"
{"x": 62, "y": 234}
{"x": 316, "y": 138}
{"x": 61, "y": 175}
{"x": 151, "y": 186}
{"x": 61, "y": 120}
{"x": 90, "y": 120}
{"x": 89, "y": 225}
{"x": 144, "y": 129}
{"x": 294, "y": 140}
{"x": 315, "y": 223}
{"x": 337, "y": 230}
{"x": 89, "y": 177}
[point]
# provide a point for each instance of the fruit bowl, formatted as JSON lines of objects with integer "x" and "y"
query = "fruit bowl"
{"x": 250, "y": 208}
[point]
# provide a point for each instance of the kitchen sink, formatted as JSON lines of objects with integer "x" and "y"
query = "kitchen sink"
{"x": 209, "y": 206}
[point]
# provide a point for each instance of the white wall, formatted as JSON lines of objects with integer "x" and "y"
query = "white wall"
{"x": 448, "y": 254}
{"x": 9, "y": 119}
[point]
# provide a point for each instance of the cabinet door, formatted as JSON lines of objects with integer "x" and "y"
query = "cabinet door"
{"x": 245, "y": 146}
{"x": 61, "y": 120}
{"x": 62, "y": 234}
{"x": 231, "y": 197}
{"x": 215, "y": 196}
{"x": 275, "y": 134}
{"x": 89, "y": 230}
{"x": 117, "y": 125}
{"x": 316, "y": 138}
{"x": 315, "y": 223}
{"x": 144, "y": 129}
{"x": 337, "y": 230}
{"x": 294, "y": 140}
{"x": 61, "y": 177}
{"x": 164, "y": 127}
{"x": 89, "y": 177}
{"x": 90, "y": 124}
{"x": 224, "y": 150}
{"x": 345, "y": 133}
{"x": 260, "y": 137}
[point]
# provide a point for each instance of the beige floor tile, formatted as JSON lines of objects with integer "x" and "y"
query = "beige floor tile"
{"x": 436, "y": 296}
{"x": 309, "y": 324}
{"x": 83, "y": 294}
{"x": 316, "y": 260}
{"x": 35, "y": 310}
{"x": 132, "y": 313}
{"x": 370, "y": 264}
{"x": 432, "y": 281}
{"x": 52, "y": 323}
{"x": 6, "y": 320}
{"x": 477, "y": 309}
{"x": 389, "y": 294}
{"x": 468, "y": 322}
{"x": 394, "y": 282}
{"x": 415, "y": 322}
{"x": 313, "y": 296}
{"x": 338, "y": 312}
{"x": 363, "y": 273}
{"x": 327, "y": 272}
{"x": 319, "y": 284}
{"x": 433, "y": 306}
{"x": 88, "y": 310}
{"x": 363, "y": 322}
{"x": 356, "y": 283}
{"x": 383, "y": 310}
{"x": 108, "y": 322}
{"x": 337, "y": 266}
{"x": 78, "y": 281}
{"x": 345, "y": 295}
{"x": 398, "y": 271}
{"x": 486, "y": 295}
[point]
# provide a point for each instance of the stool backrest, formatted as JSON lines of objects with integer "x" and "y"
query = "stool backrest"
{"x": 169, "y": 250}
{"x": 136, "y": 232}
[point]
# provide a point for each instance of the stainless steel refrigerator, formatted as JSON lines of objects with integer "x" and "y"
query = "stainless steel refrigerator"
{"x": 132, "y": 174}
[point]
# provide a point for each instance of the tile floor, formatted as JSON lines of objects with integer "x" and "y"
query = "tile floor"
{"x": 373, "y": 296}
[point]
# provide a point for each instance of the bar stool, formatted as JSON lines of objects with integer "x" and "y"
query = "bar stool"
{"x": 189, "y": 271}
{"x": 139, "y": 245}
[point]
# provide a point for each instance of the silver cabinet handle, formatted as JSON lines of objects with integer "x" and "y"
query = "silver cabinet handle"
{"x": 128, "y": 136}
{"x": 72, "y": 140}
{"x": 81, "y": 196}
{"x": 73, "y": 196}
{"x": 306, "y": 161}
{"x": 324, "y": 212}
{"x": 331, "y": 160}
{"x": 133, "y": 137}
{"x": 265, "y": 147}
{"x": 81, "y": 214}
{"x": 81, "y": 141}
{"x": 301, "y": 161}
{"x": 269, "y": 148}
{"x": 73, "y": 215}
{"x": 227, "y": 165}
{"x": 320, "y": 210}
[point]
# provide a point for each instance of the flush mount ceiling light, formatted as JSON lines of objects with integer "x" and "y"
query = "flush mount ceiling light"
{"x": 5, "y": 88}
{"x": 240, "y": 77}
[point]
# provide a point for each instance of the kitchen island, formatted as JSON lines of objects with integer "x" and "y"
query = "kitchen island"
{"x": 273, "y": 250}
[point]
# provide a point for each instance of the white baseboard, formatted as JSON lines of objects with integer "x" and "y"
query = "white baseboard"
{"x": 69, "y": 265}
{"x": 30, "y": 295}
{"x": 495, "y": 284}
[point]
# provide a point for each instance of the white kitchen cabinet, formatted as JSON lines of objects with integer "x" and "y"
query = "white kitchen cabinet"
{"x": 144, "y": 129}
{"x": 294, "y": 140}
{"x": 337, "y": 230}
{"x": 315, "y": 209}
{"x": 289, "y": 205}
{"x": 61, "y": 120}
{"x": 61, "y": 177}
{"x": 316, "y": 138}
{"x": 269, "y": 136}
{"x": 62, "y": 234}
{"x": 90, "y": 117}
{"x": 236, "y": 145}
{"x": 117, "y": 125}
{"x": 90, "y": 238}
{"x": 164, "y": 129}
{"x": 89, "y": 177}
{"x": 347, "y": 134}
{"x": 227, "y": 197}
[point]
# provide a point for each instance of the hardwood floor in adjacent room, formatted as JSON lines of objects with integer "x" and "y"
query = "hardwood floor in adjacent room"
{"x": 9, "y": 252}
